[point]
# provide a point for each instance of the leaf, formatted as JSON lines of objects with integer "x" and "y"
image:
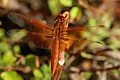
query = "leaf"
{"x": 46, "y": 71}
{"x": 30, "y": 60}
{"x": 16, "y": 34}
{"x": 66, "y": 3}
{"x": 4, "y": 46}
{"x": 64, "y": 76}
{"x": 10, "y": 75}
{"x": 9, "y": 58}
{"x": 54, "y": 6}
{"x": 85, "y": 55}
{"x": 92, "y": 21}
{"x": 87, "y": 75}
{"x": 16, "y": 49}
{"x": 2, "y": 33}
{"x": 75, "y": 12}
{"x": 106, "y": 21}
{"x": 37, "y": 73}
{"x": 114, "y": 40}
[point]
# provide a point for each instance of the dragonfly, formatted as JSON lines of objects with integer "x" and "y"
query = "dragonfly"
{"x": 59, "y": 38}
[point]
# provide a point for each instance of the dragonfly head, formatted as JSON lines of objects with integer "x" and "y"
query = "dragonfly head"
{"x": 63, "y": 17}
{"x": 62, "y": 20}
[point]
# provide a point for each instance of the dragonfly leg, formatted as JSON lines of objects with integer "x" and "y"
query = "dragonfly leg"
{"x": 77, "y": 40}
{"x": 61, "y": 62}
{"x": 59, "y": 72}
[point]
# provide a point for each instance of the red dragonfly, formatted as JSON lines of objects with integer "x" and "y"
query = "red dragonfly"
{"x": 58, "y": 38}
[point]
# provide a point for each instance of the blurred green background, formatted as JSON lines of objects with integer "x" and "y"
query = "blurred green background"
{"x": 18, "y": 61}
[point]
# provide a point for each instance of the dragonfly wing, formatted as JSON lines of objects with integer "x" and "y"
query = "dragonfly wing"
{"x": 75, "y": 40}
{"x": 39, "y": 40}
{"x": 31, "y": 38}
{"x": 30, "y": 24}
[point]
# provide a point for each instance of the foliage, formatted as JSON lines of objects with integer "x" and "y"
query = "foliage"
{"x": 8, "y": 61}
{"x": 10, "y": 75}
{"x": 96, "y": 62}
{"x": 75, "y": 12}
{"x": 54, "y": 7}
{"x": 66, "y": 3}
